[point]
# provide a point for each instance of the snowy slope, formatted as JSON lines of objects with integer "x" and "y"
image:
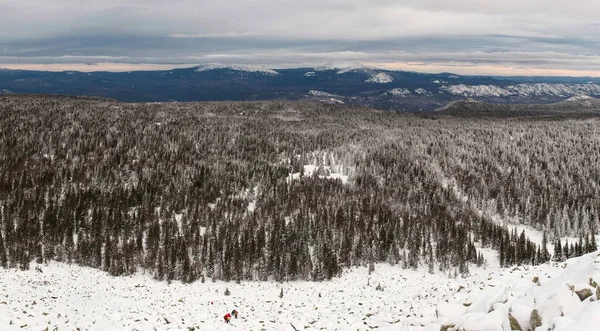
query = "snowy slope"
{"x": 380, "y": 78}
{"x": 579, "y": 98}
{"x": 477, "y": 90}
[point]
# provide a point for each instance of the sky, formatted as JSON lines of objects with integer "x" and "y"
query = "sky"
{"x": 481, "y": 37}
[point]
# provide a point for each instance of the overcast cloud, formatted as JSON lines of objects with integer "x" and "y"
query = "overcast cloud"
{"x": 466, "y": 36}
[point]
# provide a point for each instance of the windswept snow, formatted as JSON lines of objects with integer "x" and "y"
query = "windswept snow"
{"x": 242, "y": 68}
{"x": 380, "y": 78}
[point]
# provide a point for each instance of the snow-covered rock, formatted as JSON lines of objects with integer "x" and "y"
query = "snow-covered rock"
{"x": 551, "y": 303}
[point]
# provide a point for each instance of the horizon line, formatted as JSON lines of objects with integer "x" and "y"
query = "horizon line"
{"x": 116, "y": 67}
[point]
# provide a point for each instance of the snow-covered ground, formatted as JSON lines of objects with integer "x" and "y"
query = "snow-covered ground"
{"x": 70, "y": 297}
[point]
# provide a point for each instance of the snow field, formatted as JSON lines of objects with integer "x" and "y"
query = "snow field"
{"x": 70, "y": 297}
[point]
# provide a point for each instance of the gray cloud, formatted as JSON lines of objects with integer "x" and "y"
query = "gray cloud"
{"x": 551, "y": 34}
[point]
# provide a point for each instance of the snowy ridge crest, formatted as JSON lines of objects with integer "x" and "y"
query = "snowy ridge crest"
{"x": 342, "y": 67}
{"x": 539, "y": 89}
{"x": 235, "y": 67}
{"x": 579, "y": 98}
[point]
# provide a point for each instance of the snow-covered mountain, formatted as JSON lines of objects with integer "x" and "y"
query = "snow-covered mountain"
{"x": 342, "y": 67}
{"x": 523, "y": 90}
{"x": 380, "y": 78}
{"x": 241, "y": 68}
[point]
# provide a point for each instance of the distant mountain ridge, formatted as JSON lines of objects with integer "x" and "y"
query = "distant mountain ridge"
{"x": 525, "y": 90}
{"x": 350, "y": 83}
{"x": 577, "y": 105}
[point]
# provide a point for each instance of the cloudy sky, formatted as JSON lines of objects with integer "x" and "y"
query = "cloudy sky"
{"x": 508, "y": 37}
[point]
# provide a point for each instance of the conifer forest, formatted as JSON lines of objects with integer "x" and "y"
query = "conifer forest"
{"x": 287, "y": 190}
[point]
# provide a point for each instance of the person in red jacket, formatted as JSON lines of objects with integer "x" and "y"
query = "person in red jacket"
{"x": 227, "y": 317}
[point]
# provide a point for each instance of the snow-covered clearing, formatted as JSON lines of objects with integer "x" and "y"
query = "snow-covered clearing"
{"x": 321, "y": 94}
{"x": 334, "y": 172}
{"x": 70, "y": 297}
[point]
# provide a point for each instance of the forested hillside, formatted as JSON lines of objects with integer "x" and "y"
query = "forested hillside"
{"x": 286, "y": 190}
